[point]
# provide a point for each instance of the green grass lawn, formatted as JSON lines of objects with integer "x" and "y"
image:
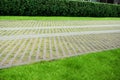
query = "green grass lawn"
{"x": 98, "y": 66}
{"x": 55, "y": 18}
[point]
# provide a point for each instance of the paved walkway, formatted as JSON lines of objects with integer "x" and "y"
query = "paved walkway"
{"x": 59, "y": 27}
{"x": 28, "y": 48}
{"x": 56, "y": 34}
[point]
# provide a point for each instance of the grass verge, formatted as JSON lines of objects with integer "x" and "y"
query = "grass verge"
{"x": 103, "y": 65}
{"x": 55, "y": 18}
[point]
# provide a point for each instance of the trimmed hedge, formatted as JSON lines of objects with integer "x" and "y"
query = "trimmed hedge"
{"x": 57, "y": 8}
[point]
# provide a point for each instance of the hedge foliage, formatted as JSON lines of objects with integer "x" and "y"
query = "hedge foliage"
{"x": 57, "y": 8}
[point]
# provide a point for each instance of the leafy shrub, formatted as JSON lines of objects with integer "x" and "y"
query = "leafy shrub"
{"x": 57, "y": 8}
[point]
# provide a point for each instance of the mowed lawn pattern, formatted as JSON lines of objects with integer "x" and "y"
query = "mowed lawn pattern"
{"x": 27, "y": 50}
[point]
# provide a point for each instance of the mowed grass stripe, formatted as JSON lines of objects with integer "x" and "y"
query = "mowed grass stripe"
{"x": 54, "y": 18}
{"x": 99, "y": 66}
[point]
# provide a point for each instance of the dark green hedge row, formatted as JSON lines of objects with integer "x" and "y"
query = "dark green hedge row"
{"x": 57, "y": 8}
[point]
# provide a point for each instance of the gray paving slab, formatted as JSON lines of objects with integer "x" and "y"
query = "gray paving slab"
{"x": 39, "y": 43}
{"x": 56, "y": 47}
{"x": 23, "y": 54}
{"x": 57, "y": 34}
{"x": 16, "y": 54}
{"x": 50, "y": 48}
{"x": 58, "y": 27}
{"x": 38, "y": 49}
{"x": 8, "y": 54}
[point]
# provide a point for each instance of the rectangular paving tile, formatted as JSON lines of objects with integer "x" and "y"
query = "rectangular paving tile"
{"x": 55, "y": 43}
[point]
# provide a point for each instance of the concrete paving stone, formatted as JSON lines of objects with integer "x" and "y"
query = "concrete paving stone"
{"x": 24, "y": 42}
